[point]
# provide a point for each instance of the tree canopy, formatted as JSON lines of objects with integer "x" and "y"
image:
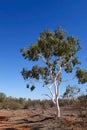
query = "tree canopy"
{"x": 55, "y": 49}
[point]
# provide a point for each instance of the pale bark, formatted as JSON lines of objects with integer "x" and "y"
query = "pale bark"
{"x": 56, "y": 80}
{"x": 58, "y": 108}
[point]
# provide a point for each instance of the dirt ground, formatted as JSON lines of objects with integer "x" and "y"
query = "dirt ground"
{"x": 40, "y": 119}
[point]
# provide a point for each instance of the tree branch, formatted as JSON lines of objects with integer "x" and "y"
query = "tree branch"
{"x": 68, "y": 61}
{"x": 50, "y": 89}
{"x": 69, "y": 79}
{"x": 47, "y": 95}
{"x": 42, "y": 57}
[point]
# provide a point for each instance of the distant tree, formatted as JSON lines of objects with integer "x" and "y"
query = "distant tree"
{"x": 2, "y": 97}
{"x": 57, "y": 52}
{"x": 71, "y": 92}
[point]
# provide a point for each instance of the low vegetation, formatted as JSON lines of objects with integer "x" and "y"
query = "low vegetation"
{"x": 22, "y": 103}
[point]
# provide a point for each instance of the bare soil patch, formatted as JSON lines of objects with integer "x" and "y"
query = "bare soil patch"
{"x": 43, "y": 119}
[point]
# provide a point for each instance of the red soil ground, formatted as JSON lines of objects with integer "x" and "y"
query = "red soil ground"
{"x": 40, "y": 119}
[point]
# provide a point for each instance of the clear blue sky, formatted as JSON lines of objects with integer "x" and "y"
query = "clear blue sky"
{"x": 21, "y": 21}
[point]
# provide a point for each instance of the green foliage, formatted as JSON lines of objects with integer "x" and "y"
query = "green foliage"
{"x": 2, "y": 97}
{"x": 81, "y": 75}
{"x": 32, "y": 87}
{"x": 71, "y": 92}
{"x": 54, "y": 48}
{"x": 53, "y": 44}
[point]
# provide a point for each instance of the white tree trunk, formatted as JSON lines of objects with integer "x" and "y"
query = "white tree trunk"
{"x": 58, "y": 108}
{"x": 57, "y": 100}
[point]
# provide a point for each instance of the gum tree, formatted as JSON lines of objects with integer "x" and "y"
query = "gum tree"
{"x": 56, "y": 53}
{"x": 71, "y": 92}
